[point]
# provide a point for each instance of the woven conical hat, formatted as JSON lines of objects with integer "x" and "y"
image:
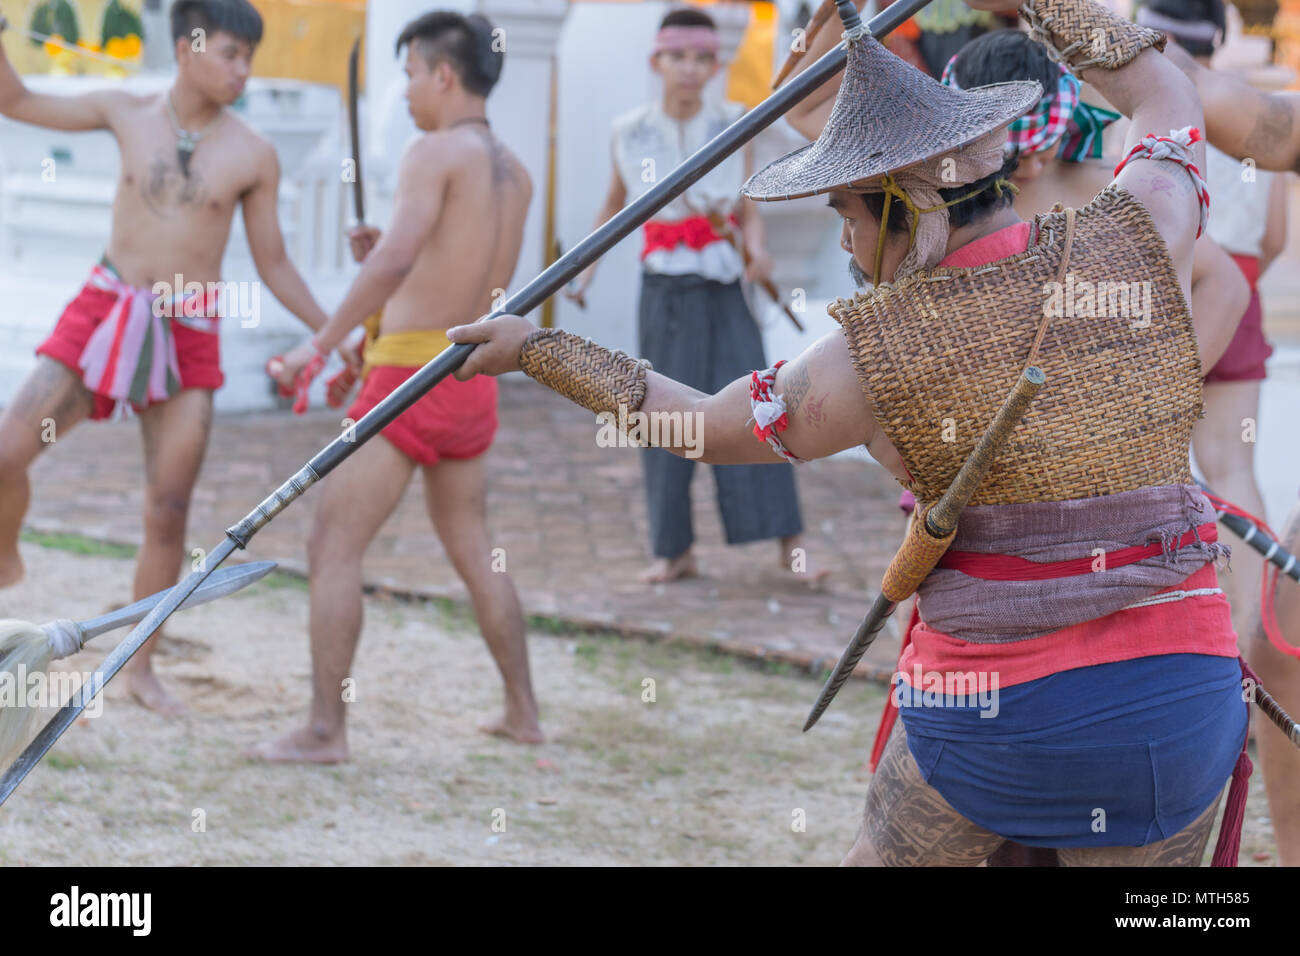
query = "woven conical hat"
{"x": 888, "y": 116}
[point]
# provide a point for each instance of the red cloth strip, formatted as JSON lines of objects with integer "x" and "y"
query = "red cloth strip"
{"x": 1228, "y": 847}
{"x": 1249, "y": 266}
{"x": 695, "y": 233}
{"x": 1008, "y": 567}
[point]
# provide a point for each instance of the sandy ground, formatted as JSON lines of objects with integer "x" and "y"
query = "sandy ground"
{"x": 713, "y": 771}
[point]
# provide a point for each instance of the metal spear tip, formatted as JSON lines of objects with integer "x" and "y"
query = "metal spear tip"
{"x": 220, "y": 583}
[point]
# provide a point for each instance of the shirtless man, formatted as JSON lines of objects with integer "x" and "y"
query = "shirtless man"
{"x": 457, "y": 227}
{"x": 167, "y": 221}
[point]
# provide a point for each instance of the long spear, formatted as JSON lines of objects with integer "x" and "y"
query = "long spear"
{"x": 551, "y": 281}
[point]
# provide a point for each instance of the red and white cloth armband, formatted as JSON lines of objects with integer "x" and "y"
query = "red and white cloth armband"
{"x": 769, "y": 412}
{"x": 1175, "y": 147}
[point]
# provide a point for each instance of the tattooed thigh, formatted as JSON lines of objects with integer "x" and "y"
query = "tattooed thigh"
{"x": 908, "y": 823}
{"x": 51, "y": 393}
{"x": 1184, "y": 848}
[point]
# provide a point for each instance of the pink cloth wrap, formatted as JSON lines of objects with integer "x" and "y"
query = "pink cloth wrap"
{"x": 982, "y": 611}
{"x": 131, "y": 355}
{"x": 700, "y": 39}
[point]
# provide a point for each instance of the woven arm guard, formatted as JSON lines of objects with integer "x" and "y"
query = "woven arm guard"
{"x": 1083, "y": 33}
{"x": 597, "y": 378}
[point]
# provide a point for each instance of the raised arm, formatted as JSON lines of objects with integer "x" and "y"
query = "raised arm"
{"x": 421, "y": 184}
{"x": 1242, "y": 121}
{"x": 1122, "y": 61}
{"x": 88, "y": 111}
{"x": 266, "y": 242}
{"x": 810, "y": 114}
{"x": 825, "y": 408}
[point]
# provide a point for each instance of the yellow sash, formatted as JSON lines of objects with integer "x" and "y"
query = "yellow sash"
{"x": 411, "y": 349}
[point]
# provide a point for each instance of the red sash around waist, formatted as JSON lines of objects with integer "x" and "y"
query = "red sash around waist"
{"x": 694, "y": 233}
{"x": 1009, "y": 567}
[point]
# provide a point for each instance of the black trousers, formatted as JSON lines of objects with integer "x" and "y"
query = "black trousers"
{"x": 701, "y": 333}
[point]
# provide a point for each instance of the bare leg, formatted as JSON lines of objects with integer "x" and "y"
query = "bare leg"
{"x": 354, "y": 504}
{"x": 49, "y": 403}
{"x": 175, "y": 436}
{"x": 1228, "y": 463}
{"x": 1184, "y": 848}
{"x": 1280, "y": 675}
{"x": 455, "y": 493}
{"x": 908, "y": 823}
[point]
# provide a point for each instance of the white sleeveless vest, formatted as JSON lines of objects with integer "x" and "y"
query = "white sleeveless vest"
{"x": 648, "y": 145}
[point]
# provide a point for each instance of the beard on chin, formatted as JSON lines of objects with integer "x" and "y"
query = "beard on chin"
{"x": 860, "y": 278}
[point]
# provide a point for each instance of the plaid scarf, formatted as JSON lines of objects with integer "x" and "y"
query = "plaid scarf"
{"x": 1061, "y": 117}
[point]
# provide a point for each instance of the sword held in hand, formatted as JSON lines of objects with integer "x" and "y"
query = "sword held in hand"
{"x": 930, "y": 534}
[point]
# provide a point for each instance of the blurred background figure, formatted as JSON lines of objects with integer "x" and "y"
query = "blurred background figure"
{"x": 693, "y": 321}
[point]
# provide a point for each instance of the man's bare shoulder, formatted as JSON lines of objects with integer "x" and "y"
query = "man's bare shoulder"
{"x": 125, "y": 105}
{"x": 240, "y": 132}
{"x": 251, "y": 151}
{"x": 466, "y": 150}
{"x": 433, "y": 153}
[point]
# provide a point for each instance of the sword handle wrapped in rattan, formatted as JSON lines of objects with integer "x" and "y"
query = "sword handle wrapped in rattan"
{"x": 929, "y": 535}
{"x": 941, "y": 520}
{"x": 1084, "y": 33}
{"x": 932, "y": 532}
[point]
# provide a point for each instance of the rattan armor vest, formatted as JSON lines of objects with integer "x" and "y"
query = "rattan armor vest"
{"x": 938, "y": 351}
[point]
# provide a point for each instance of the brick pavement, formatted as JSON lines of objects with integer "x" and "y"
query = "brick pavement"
{"x": 569, "y": 514}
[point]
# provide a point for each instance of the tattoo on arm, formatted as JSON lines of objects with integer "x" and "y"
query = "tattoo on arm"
{"x": 1272, "y": 129}
{"x": 815, "y": 411}
{"x": 796, "y": 388}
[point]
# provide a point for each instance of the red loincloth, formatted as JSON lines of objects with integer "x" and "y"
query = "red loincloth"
{"x": 198, "y": 354}
{"x": 453, "y": 420}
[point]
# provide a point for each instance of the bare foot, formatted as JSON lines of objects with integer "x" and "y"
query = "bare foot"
{"x": 150, "y": 694}
{"x": 11, "y": 568}
{"x": 521, "y": 732}
{"x": 670, "y": 569}
{"x": 301, "y": 746}
{"x": 812, "y": 580}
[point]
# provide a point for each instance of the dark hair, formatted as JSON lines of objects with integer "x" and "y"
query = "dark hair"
{"x": 687, "y": 17}
{"x": 1003, "y": 56}
{"x": 236, "y": 17}
{"x": 464, "y": 42}
{"x": 985, "y": 200}
{"x": 1192, "y": 11}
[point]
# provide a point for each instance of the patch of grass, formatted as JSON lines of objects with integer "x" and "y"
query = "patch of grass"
{"x": 79, "y": 544}
{"x": 587, "y": 652}
{"x": 60, "y": 762}
{"x": 551, "y": 624}
{"x": 277, "y": 581}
